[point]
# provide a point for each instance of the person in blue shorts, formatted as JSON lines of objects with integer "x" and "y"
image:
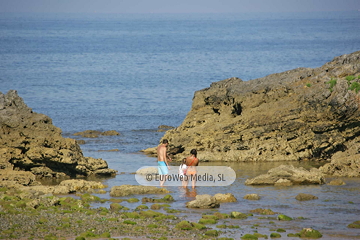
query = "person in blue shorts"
{"x": 163, "y": 165}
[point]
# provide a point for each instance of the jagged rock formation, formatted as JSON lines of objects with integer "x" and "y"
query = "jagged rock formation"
{"x": 294, "y": 115}
{"x": 30, "y": 142}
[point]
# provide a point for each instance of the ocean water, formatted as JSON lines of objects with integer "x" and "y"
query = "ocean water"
{"x": 132, "y": 73}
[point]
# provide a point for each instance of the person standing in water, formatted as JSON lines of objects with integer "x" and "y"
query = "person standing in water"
{"x": 192, "y": 162}
{"x": 163, "y": 165}
{"x": 182, "y": 172}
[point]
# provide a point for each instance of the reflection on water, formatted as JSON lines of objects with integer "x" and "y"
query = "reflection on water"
{"x": 336, "y": 207}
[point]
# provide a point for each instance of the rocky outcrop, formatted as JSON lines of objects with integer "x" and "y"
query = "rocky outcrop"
{"x": 294, "y": 115}
{"x": 96, "y": 134}
{"x": 30, "y": 142}
{"x": 346, "y": 163}
{"x": 203, "y": 201}
{"x": 290, "y": 173}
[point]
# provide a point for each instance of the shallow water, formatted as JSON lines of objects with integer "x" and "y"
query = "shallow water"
{"x": 336, "y": 207}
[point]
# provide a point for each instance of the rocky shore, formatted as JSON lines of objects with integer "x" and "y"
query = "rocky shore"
{"x": 302, "y": 114}
{"x": 33, "y": 147}
{"x": 297, "y": 115}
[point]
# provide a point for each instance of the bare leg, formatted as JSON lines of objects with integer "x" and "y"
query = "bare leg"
{"x": 162, "y": 180}
{"x": 193, "y": 180}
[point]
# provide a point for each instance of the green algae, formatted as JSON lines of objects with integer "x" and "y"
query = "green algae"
{"x": 249, "y": 237}
{"x": 141, "y": 207}
{"x": 184, "y": 225}
{"x": 211, "y": 233}
{"x": 207, "y": 221}
{"x": 275, "y": 235}
{"x": 355, "y": 224}
{"x": 282, "y": 217}
{"x": 238, "y": 215}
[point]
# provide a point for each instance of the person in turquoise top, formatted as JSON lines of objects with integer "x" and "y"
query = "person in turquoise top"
{"x": 163, "y": 165}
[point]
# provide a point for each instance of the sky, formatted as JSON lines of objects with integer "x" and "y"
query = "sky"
{"x": 176, "y": 6}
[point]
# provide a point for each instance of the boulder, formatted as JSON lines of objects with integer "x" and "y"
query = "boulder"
{"x": 289, "y": 172}
{"x": 295, "y": 115}
{"x": 30, "y": 142}
{"x": 305, "y": 197}
{"x": 79, "y": 185}
{"x": 252, "y": 196}
{"x": 337, "y": 182}
{"x": 125, "y": 190}
{"x": 227, "y": 197}
{"x": 203, "y": 201}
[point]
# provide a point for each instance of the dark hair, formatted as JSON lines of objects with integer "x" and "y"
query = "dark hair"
{"x": 193, "y": 152}
{"x": 164, "y": 141}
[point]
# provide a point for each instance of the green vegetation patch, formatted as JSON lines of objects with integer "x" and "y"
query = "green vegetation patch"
{"x": 263, "y": 211}
{"x": 275, "y": 235}
{"x": 332, "y": 83}
{"x": 134, "y": 215}
{"x": 132, "y": 200}
{"x": 212, "y": 233}
{"x": 355, "y": 86}
{"x": 207, "y": 221}
{"x": 89, "y": 198}
{"x": 350, "y": 78}
{"x": 238, "y": 215}
{"x": 282, "y": 217}
{"x": 355, "y": 224}
{"x": 129, "y": 222}
{"x": 141, "y": 207}
{"x": 168, "y": 198}
{"x": 184, "y": 225}
{"x": 309, "y": 233}
{"x": 249, "y": 237}
{"x": 227, "y": 226}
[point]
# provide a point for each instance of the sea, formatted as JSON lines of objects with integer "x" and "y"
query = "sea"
{"x": 134, "y": 72}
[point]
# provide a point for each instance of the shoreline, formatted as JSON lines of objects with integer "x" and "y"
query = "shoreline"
{"x": 97, "y": 216}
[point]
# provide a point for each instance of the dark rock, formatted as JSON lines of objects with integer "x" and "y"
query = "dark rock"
{"x": 305, "y": 197}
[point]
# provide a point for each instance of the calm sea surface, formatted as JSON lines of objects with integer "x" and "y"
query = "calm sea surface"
{"x": 132, "y": 73}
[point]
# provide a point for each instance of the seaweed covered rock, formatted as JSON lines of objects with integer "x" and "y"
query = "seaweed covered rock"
{"x": 125, "y": 190}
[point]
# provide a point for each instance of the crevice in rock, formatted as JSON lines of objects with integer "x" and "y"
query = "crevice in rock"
{"x": 216, "y": 110}
{"x": 237, "y": 109}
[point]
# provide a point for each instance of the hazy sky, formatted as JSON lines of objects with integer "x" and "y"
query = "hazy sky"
{"x": 177, "y": 6}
